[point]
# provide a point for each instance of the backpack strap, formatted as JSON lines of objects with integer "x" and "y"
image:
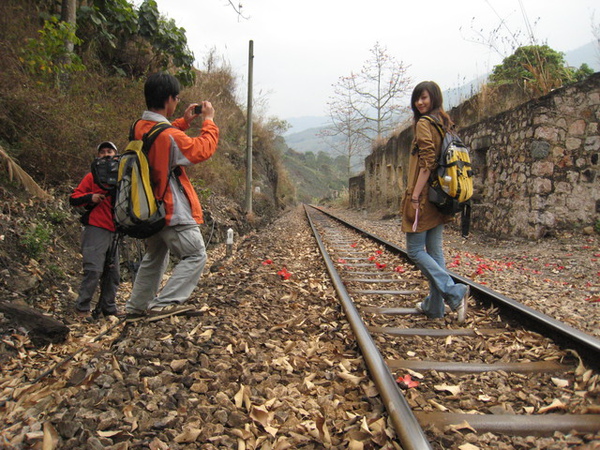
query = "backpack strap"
{"x": 435, "y": 123}
{"x": 148, "y": 139}
{"x": 151, "y": 135}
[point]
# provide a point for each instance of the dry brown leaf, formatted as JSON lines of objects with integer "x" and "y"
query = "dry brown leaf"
{"x": 364, "y": 426}
{"x": 261, "y": 415}
{"x": 50, "y": 441}
{"x": 468, "y": 446}
{"x": 157, "y": 444}
{"x": 378, "y": 425}
{"x": 323, "y": 431}
{"x": 351, "y": 378}
{"x": 438, "y": 405}
{"x": 355, "y": 445}
{"x": 556, "y": 404}
{"x": 462, "y": 426}
{"x": 454, "y": 390}
{"x": 108, "y": 433}
{"x": 559, "y": 382}
{"x": 242, "y": 434}
{"x": 188, "y": 435}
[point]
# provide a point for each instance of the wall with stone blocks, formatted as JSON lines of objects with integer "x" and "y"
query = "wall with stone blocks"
{"x": 536, "y": 165}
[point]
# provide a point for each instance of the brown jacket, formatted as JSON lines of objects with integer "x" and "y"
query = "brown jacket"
{"x": 428, "y": 144}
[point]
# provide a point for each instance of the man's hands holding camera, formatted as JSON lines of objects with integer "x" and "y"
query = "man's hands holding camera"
{"x": 204, "y": 109}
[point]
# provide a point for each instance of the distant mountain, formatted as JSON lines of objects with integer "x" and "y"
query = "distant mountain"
{"x": 308, "y": 140}
{"x": 588, "y": 53}
{"x": 299, "y": 124}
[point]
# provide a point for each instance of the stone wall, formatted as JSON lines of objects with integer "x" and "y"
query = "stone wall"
{"x": 536, "y": 165}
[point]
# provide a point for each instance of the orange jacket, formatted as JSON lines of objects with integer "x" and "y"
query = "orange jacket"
{"x": 173, "y": 150}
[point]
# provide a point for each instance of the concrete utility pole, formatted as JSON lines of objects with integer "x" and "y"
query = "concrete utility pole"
{"x": 249, "y": 132}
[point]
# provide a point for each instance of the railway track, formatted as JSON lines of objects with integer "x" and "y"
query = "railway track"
{"x": 508, "y": 370}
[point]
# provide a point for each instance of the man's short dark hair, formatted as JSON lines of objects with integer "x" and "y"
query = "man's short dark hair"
{"x": 158, "y": 88}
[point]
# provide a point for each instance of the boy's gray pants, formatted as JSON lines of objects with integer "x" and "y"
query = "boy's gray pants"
{"x": 184, "y": 242}
{"x": 95, "y": 249}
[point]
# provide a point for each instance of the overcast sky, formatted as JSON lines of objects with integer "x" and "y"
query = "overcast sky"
{"x": 302, "y": 47}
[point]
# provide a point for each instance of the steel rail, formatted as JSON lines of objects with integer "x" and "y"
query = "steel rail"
{"x": 408, "y": 429}
{"x": 586, "y": 345}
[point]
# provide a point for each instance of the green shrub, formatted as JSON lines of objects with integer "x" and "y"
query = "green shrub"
{"x": 36, "y": 239}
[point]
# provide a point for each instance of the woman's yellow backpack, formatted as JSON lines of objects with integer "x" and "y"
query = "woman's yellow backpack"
{"x": 451, "y": 184}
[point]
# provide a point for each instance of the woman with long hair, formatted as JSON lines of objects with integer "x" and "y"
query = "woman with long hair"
{"x": 422, "y": 222}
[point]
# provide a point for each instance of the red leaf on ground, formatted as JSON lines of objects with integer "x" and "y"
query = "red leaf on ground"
{"x": 406, "y": 382}
{"x": 267, "y": 262}
{"x": 284, "y": 274}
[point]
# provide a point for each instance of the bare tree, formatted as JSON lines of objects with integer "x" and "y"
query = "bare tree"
{"x": 367, "y": 105}
{"x": 380, "y": 87}
{"x": 347, "y": 132}
{"x": 375, "y": 95}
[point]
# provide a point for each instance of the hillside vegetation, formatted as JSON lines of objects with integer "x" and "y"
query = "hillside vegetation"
{"x": 53, "y": 115}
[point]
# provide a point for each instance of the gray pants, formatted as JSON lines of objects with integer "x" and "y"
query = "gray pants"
{"x": 186, "y": 243}
{"x": 95, "y": 249}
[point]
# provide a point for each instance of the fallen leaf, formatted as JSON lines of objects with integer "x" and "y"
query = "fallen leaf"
{"x": 50, "y": 441}
{"x": 454, "y": 390}
{"x": 559, "y": 382}
{"x": 556, "y": 404}
{"x": 189, "y": 435}
{"x": 468, "y": 446}
{"x": 406, "y": 382}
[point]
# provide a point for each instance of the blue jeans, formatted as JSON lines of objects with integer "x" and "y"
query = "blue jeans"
{"x": 425, "y": 250}
{"x": 186, "y": 243}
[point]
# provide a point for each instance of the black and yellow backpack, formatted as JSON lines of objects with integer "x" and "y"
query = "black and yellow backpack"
{"x": 451, "y": 184}
{"x": 138, "y": 213}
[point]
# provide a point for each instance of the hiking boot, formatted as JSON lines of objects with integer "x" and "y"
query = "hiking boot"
{"x": 461, "y": 311}
{"x": 134, "y": 317}
{"x": 162, "y": 312}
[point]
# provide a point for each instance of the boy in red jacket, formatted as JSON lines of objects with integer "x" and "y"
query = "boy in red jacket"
{"x": 96, "y": 240}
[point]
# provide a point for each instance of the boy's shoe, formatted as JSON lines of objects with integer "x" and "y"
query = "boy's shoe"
{"x": 461, "y": 311}
{"x": 134, "y": 317}
{"x": 162, "y": 312}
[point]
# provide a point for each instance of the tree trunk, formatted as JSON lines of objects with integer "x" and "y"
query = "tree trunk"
{"x": 68, "y": 13}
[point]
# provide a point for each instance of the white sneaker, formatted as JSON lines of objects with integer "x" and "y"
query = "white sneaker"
{"x": 158, "y": 313}
{"x": 461, "y": 311}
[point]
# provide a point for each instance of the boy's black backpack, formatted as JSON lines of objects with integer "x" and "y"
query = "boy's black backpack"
{"x": 138, "y": 213}
{"x": 451, "y": 185}
{"x": 105, "y": 171}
